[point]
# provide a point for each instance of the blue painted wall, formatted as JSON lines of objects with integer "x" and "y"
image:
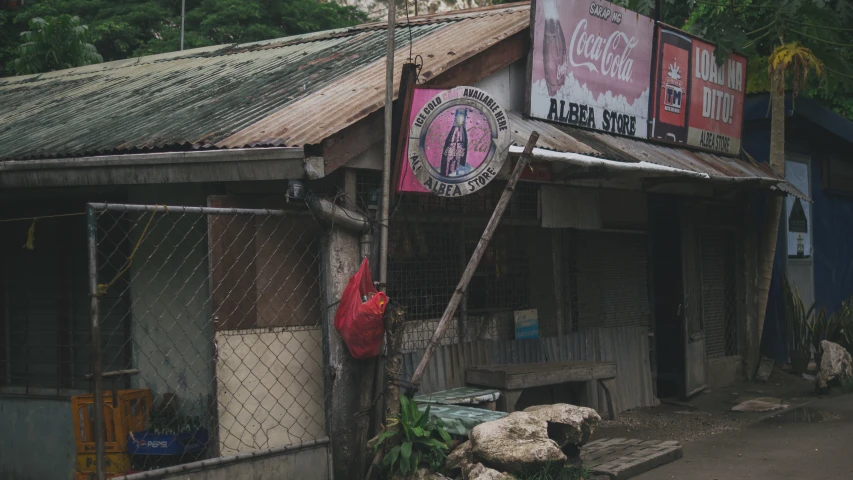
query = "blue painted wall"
{"x": 807, "y": 132}
{"x": 833, "y": 237}
{"x": 38, "y": 443}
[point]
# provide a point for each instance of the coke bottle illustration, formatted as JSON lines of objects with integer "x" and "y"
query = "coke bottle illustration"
{"x": 454, "y": 156}
{"x": 673, "y": 87}
{"x": 554, "y": 48}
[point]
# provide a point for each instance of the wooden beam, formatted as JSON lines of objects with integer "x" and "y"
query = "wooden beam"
{"x": 345, "y": 145}
{"x": 485, "y": 63}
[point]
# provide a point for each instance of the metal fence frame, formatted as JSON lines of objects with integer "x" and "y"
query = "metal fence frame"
{"x": 92, "y": 213}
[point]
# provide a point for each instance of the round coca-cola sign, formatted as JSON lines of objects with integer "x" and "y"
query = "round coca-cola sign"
{"x": 458, "y": 141}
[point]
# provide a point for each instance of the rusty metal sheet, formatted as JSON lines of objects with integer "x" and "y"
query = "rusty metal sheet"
{"x": 291, "y": 91}
{"x": 353, "y": 97}
{"x": 613, "y": 147}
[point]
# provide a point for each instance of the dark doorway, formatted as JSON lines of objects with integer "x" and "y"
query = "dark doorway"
{"x": 665, "y": 237}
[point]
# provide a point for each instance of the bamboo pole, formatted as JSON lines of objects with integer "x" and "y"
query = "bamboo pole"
{"x": 475, "y": 259}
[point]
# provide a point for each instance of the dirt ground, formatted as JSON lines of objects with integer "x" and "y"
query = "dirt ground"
{"x": 811, "y": 439}
{"x": 811, "y": 442}
{"x": 707, "y": 413}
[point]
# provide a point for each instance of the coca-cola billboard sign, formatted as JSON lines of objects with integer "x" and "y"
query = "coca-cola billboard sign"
{"x": 591, "y": 66}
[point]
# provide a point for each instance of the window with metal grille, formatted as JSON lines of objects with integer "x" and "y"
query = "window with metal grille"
{"x": 427, "y": 257}
{"x": 45, "y": 346}
{"x": 608, "y": 278}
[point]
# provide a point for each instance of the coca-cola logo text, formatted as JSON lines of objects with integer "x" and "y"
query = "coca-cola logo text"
{"x": 607, "y": 56}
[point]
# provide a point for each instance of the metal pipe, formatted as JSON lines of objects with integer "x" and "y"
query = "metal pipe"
{"x": 96, "y": 342}
{"x": 365, "y": 244}
{"x": 122, "y": 207}
{"x": 338, "y": 215}
{"x": 386, "y": 167}
{"x": 183, "y": 14}
{"x": 159, "y": 158}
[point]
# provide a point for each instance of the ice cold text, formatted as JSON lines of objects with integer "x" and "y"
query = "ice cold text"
{"x": 585, "y": 116}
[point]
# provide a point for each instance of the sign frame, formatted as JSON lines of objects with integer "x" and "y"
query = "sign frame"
{"x": 656, "y": 75}
{"x": 436, "y": 109}
{"x": 633, "y": 123}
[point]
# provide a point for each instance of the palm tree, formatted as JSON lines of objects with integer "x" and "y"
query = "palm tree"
{"x": 795, "y": 37}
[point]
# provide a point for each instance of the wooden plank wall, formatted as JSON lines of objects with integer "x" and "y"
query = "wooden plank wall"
{"x": 627, "y": 346}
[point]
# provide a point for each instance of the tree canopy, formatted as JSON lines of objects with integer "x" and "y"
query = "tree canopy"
{"x": 121, "y": 29}
{"x": 55, "y": 44}
{"x": 814, "y": 36}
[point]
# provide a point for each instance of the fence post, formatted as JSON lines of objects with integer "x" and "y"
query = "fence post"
{"x": 92, "y": 230}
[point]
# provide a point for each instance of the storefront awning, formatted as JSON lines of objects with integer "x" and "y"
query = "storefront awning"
{"x": 585, "y": 153}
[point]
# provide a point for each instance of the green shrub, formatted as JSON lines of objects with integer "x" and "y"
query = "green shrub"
{"x": 421, "y": 440}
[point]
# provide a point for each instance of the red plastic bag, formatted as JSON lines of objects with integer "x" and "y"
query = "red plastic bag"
{"x": 360, "y": 323}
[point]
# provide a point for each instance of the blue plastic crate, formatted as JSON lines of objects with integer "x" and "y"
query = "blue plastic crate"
{"x": 146, "y": 443}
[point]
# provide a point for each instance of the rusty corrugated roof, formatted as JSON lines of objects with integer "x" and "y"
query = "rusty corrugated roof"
{"x": 292, "y": 91}
{"x": 613, "y": 147}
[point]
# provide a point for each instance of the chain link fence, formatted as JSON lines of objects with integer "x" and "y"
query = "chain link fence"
{"x": 217, "y": 312}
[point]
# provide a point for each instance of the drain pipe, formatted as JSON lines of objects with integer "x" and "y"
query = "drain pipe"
{"x": 339, "y": 216}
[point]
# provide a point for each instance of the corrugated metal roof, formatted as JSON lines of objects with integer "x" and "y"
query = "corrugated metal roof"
{"x": 235, "y": 95}
{"x": 612, "y": 147}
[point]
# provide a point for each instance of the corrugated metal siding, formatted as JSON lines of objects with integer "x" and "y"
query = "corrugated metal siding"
{"x": 627, "y": 346}
{"x": 613, "y": 147}
{"x": 285, "y": 92}
{"x": 610, "y": 275}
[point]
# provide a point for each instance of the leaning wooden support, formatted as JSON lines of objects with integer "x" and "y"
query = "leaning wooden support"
{"x": 475, "y": 260}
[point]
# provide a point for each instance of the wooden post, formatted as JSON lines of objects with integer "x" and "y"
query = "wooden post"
{"x": 462, "y": 287}
{"x": 394, "y": 322}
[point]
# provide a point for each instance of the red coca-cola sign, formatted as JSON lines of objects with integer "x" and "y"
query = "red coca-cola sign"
{"x": 591, "y": 65}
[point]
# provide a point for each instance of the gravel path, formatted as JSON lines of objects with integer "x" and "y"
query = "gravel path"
{"x": 666, "y": 424}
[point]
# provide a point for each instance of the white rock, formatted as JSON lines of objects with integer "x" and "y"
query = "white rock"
{"x": 835, "y": 364}
{"x": 481, "y": 472}
{"x": 460, "y": 459}
{"x": 567, "y": 424}
{"x": 516, "y": 443}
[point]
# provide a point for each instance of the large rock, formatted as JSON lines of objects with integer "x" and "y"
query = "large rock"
{"x": 421, "y": 474}
{"x": 567, "y": 424}
{"x": 461, "y": 459}
{"x": 517, "y": 443}
{"x": 835, "y": 364}
{"x": 481, "y": 472}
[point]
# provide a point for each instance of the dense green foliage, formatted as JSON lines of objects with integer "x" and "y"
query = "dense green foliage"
{"x": 758, "y": 27}
{"x": 54, "y": 44}
{"x": 419, "y": 438}
{"x": 127, "y": 28}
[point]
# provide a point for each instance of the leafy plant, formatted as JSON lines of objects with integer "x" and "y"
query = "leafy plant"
{"x": 837, "y": 327}
{"x": 554, "y": 471}
{"x": 417, "y": 439}
{"x": 55, "y": 43}
{"x": 800, "y": 322}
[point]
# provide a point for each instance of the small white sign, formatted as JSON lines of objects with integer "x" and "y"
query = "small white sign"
{"x": 526, "y": 324}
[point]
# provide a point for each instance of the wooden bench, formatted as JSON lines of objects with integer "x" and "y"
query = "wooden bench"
{"x": 513, "y": 379}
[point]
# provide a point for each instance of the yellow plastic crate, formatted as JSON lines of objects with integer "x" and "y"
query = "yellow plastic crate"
{"x": 113, "y": 462}
{"x": 130, "y": 414}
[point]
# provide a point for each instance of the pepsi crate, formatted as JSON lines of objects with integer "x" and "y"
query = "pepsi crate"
{"x": 148, "y": 443}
